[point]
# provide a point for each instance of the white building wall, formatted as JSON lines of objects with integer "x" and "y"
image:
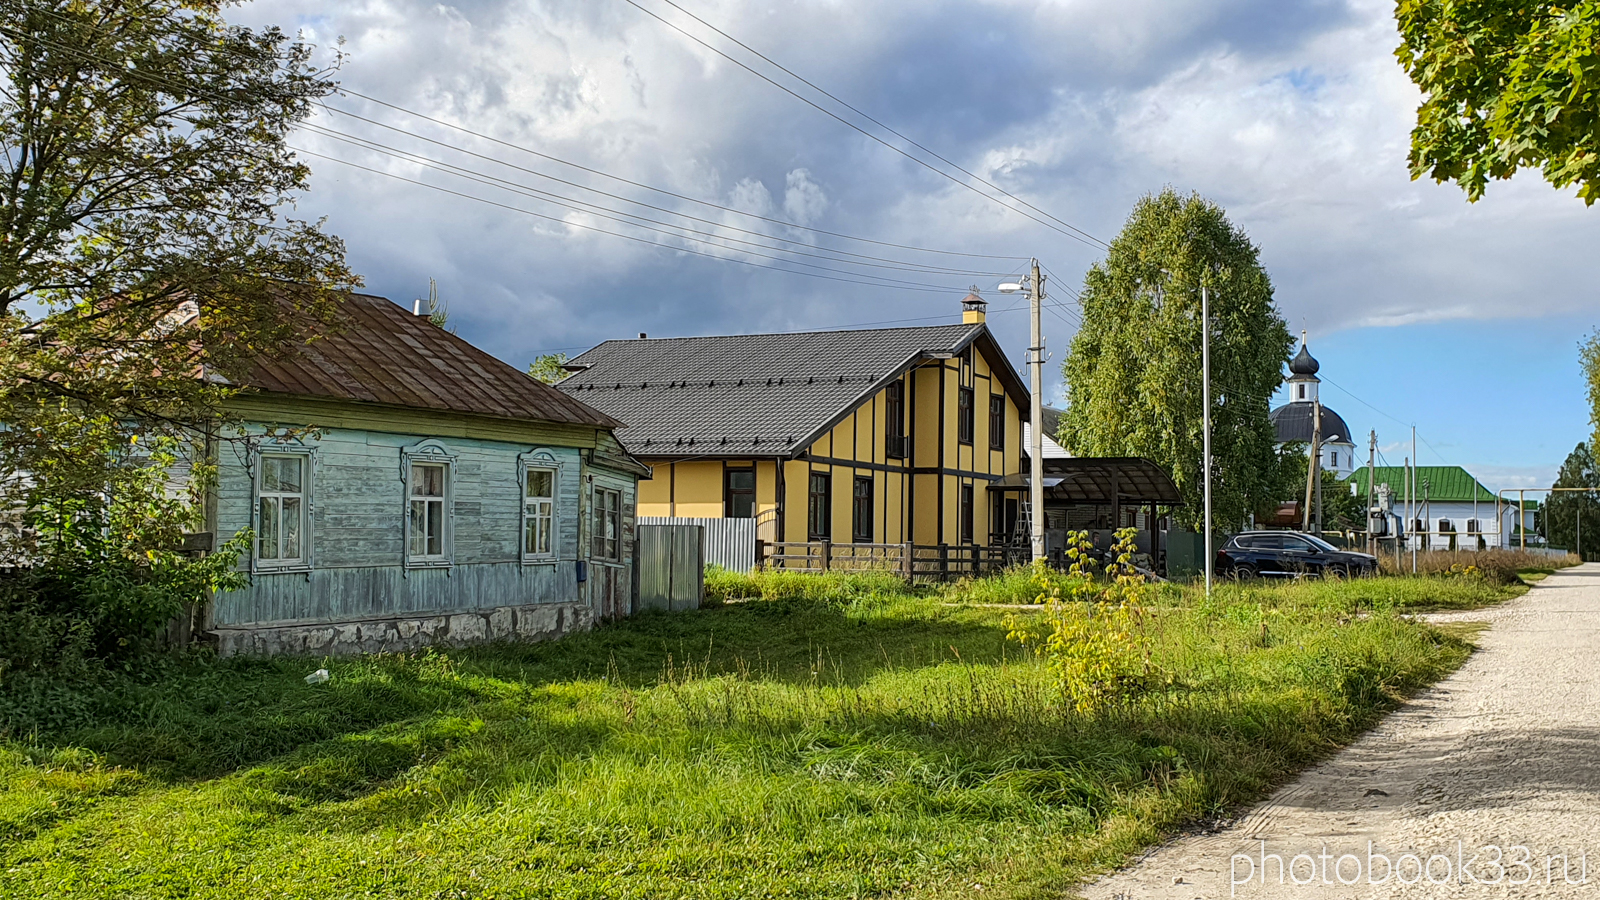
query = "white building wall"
{"x": 1460, "y": 516}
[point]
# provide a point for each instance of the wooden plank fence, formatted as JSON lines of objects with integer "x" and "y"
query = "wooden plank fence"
{"x": 915, "y": 562}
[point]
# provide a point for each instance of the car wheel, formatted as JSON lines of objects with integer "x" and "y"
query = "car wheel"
{"x": 1340, "y": 572}
{"x": 1245, "y": 572}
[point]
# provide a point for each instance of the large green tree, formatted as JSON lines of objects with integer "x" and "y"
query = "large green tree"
{"x": 1506, "y": 84}
{"x": 1134, "y": 375}
{"x": 1568, "y": 512}
{"x": 145, "y": 260}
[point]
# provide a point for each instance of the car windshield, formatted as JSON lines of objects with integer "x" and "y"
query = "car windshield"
{"x": 1321, "y": 544}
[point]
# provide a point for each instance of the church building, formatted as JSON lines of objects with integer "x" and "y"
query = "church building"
{"x": 1294, "y": 421}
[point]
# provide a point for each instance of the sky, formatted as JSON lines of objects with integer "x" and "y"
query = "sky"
{"x": 1462, "y": 319}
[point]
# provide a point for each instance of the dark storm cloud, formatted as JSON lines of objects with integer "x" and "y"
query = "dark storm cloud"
{"x": 1293, "y": 115}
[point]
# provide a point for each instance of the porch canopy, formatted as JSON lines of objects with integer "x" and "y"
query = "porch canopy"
{"x": 1109, "y": 480}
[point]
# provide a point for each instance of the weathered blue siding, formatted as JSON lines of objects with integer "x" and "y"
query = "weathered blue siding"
{"x": 358, "y": 508}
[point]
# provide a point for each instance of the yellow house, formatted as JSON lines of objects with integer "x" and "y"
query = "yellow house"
{"x": 880, "y": 436}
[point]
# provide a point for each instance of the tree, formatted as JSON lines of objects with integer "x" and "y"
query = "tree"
{"x": 141, "y": 243}
{"x": 144, "y": 262}
{"x": 1506, "y": 84}
{"x": 1133, "y": 373}
{"x": 1589, "y": 355}
{"x": 547, "y": 367}
{"x": 1565, "y": 509}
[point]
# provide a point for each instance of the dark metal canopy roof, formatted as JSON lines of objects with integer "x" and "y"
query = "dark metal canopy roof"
{"x": 1089, "y": 480}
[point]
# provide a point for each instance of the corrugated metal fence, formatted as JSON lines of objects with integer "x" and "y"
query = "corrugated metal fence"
{"x": 672, "y": 567}
{"x": 729, "y": 543}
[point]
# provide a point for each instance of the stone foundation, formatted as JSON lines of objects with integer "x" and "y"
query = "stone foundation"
{"x": 392, "y": 635}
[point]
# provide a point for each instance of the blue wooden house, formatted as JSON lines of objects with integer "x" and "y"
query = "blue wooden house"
{"x": 407, "y": 488}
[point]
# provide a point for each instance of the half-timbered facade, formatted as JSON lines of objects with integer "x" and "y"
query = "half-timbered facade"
{"x": 879, "y": 436}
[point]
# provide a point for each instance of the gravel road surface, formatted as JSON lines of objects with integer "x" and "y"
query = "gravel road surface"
{"x": 1493, "y": 772}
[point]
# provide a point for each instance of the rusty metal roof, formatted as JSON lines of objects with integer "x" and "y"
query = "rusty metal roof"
{"x": 381, "y": 353}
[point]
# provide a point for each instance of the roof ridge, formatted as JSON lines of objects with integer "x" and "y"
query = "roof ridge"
{"x": 708, "y": 337}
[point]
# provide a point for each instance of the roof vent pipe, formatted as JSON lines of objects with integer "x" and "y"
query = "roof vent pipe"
{"x": 416, "y": 307}
{"x": 642, "y": 335}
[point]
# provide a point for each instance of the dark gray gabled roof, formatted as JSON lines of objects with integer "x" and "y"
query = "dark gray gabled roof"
{"x": 757, "y": 394}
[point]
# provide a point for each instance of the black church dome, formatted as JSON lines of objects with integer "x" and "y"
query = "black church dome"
{"x": 1304, "y": 363}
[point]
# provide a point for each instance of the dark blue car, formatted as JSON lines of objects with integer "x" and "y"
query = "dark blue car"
{"x": 1288, "y": 554}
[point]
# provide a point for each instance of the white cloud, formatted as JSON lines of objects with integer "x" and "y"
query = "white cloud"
{"x": 803, "y": 199}
{"x": 1293, "y": 116}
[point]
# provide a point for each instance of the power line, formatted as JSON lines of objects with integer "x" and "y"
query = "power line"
{"x": 121, "y": 71}
{"x": 565, "y": 201}
{"x": 642, "y": 186}
{"x": 949, "y": 315}
{"x": 1090, "y": 241}
{"x": 444, "y": 190}
{"x": 878, "y": 123}
{"x": 707, "y": 239}
{"x": 880, "y": 282}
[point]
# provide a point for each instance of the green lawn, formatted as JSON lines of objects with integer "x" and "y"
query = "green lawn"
{"x": 872, "y": 744}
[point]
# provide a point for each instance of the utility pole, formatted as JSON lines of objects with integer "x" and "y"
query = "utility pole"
{"x": 1372, "y": 473}
{"x": 1314, "y": 470}
{"x": 1427, "y": 517}
{"x": 1205, "y": 418}
{"x": 1036, "y": 415}
{"x": 1413, "y": 464}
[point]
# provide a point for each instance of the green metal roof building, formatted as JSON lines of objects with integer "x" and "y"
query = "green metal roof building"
{"x": 1453, "y": 509}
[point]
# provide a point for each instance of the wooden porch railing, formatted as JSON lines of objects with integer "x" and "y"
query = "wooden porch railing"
{"x": 915, "y": 562}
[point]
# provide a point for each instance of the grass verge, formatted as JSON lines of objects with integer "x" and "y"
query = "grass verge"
{"x": 856, "y": 741}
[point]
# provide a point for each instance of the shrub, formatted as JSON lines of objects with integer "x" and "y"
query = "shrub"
{"x": 1095, "y": 640}
{"x": 102, "y": 576}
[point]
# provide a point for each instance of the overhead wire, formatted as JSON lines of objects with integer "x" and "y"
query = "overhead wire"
{"x": 880, "y": 281}
{"x": 641, "y": 185}
{"x": 707, "y": 239}
{"x": 908, "y": 287}
{"x": 585, "y": 206}
{"x": 843, "y": 236}
{"x": 1090, "y": 241}
{"x": 791, "y": 73}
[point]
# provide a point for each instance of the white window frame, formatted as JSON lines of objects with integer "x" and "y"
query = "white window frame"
{"x": 539, "y": 460}
{"x": 428, "y": 452}
{"x": 308, "y": 459}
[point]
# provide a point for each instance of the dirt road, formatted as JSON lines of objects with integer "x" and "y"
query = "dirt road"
{"x": 1495, "y": 771}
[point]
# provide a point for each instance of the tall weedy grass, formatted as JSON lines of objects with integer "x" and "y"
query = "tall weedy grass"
{"x": 845, "y": 737}
{"x": 1498, "y": 566}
